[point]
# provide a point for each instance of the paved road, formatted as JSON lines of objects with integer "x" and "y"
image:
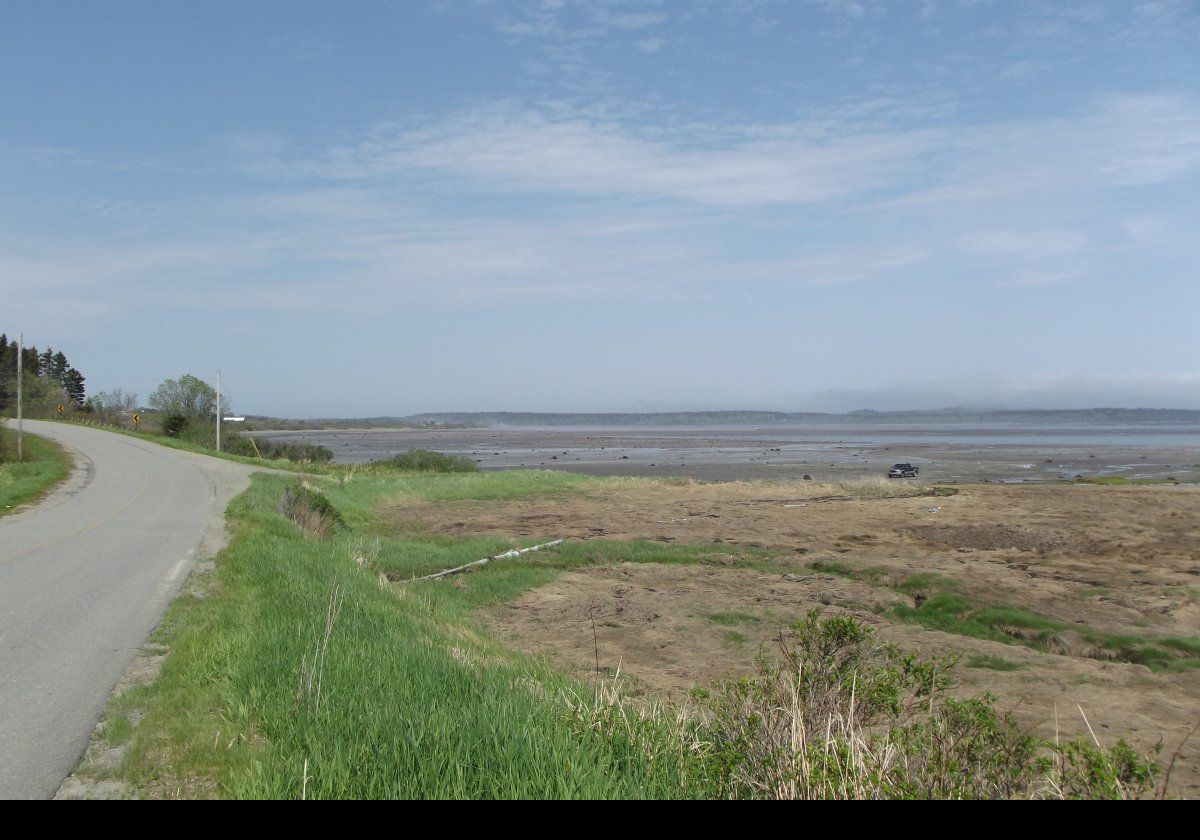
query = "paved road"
{"x": 84, "y": 577}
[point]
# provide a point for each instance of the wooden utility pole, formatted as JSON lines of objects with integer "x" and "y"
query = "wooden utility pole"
{"x": 20, "y": 404}
{"x": 218, "y": 411}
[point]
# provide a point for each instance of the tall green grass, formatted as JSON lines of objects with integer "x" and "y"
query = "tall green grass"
{"x": 362, "y": 486}
{"x": 410, "y": 701}
{"x": 45, "y": 464}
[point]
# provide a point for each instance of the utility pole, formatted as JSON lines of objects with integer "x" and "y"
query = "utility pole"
{"x": 20, "y": 406}
{"x": 218, "y": 411}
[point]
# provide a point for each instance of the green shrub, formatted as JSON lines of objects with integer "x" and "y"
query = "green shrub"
{"x": 424, "y": 460}
{"x": 307, "y": 453}
{"x": 840, "y": 716}
{"x": 312, "y": 512}
{"x": 173, "y": 425}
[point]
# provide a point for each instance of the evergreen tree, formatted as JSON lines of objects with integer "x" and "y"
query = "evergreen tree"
{"x": 59, "y": 368}
{"x": 48, "y": 378}
{"x": 32, "y": 361}
{"x": 8, "y": 371}
{"x": 73, "y": 385}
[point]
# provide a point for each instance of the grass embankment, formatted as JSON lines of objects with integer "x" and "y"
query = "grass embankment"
{"x": 298, "y": 668}
{"x": 401, "y": 698}
{"x": 45, "y": 465}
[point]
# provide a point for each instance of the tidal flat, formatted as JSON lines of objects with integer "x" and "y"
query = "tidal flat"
{"x": 957, "y": 453}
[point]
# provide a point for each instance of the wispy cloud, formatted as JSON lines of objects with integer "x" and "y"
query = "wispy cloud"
{"x": 572, "y": 21}
{"x": 595, "y": 206}
{"x": 650, "y": 45}
{"x": 1125, "y": 141}
{"x": 1036, "y": 244}
{"x": 528, "y": 150}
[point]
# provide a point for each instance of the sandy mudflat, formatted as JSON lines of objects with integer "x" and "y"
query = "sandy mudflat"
{"x": 948, "y": 454}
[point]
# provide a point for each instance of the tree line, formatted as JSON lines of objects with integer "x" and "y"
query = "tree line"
{"x": 48, "y": 379}
{"x": 183, "y": 408}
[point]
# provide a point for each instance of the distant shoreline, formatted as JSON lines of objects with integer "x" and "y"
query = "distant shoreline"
{"x": 956, "y": 452}
{"x": 728, "y": 419}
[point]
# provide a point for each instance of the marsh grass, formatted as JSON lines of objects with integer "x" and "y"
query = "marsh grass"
{"x": 939, "y": 605}
{"x": 922, "y": 584}
{"x": 993, "y": 663}
{"x": 425, "y": 460}
{"x": 883, "y": 488}
{"x": 732, "y": 618}
{"x": 861, "y": 488}
{"x": 422, "y": 554}
{"x": 949, "y": 612}
{"x": 361, "y": 488}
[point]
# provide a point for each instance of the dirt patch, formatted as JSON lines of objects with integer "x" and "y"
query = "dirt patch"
{"x": 672, "y": 627}
{"x": 994, "y": 537}
{"x": 667, "y": 629}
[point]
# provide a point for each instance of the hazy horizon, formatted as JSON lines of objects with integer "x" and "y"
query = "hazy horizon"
{"x": 551, "y": 205}
{"x": 979, "y": 396}
{"x": 982, "y": 409}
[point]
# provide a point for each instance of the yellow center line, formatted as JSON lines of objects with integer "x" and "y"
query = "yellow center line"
{"x": 80, "y": 530}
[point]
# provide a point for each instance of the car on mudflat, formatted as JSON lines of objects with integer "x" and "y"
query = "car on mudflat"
{"x": 903, "y": 471}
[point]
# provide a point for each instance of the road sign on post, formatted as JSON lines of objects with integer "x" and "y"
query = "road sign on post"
{"x": 137, "y": 419}
{"x": 59, "y": 408}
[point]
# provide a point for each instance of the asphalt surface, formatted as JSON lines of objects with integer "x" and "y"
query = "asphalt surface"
{"x": 85, "y": 576}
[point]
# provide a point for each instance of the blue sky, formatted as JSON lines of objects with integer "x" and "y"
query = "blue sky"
{"x": 381, "y": 208}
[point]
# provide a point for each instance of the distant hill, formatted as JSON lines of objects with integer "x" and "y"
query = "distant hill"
{"x": 778, "y": 418}
{"x": 261, "y": 423}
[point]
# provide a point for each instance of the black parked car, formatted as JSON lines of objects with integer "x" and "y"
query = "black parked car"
{"x": 903, "y": 471}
